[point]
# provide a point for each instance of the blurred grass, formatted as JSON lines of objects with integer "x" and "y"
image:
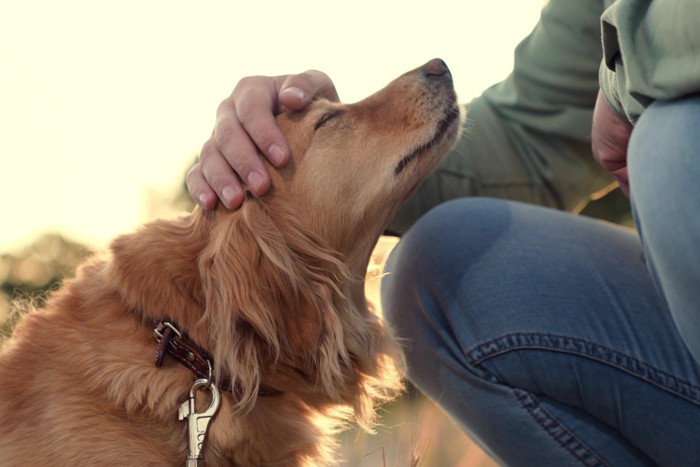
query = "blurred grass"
{"x": 28, "y": 275}
{"x": 412, "y": 430}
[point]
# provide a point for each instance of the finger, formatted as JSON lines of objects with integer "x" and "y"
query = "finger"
{"x": 219, "y": 176}
{"x": 240, "y": 154}
{"x": 235, "y": 146}
{"x": 199, "y": 189}
{"x": 623, "y": 180}
{"x": 624, "y": 187}
{"x": 298, "y": 90}
{"x": 253, "y": 109}
{"x": 621, "y": 175}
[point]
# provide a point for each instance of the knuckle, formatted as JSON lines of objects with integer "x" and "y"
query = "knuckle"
{"x": 259, "y": 128}
{"x": 316, "y": 75}
{"x": 242, "y": 166}
{"x": 247, "y": 81}
{"x": 318, "y": 82}
{"x": 246, "y": 109}
{"x": 244, "y": 85}
{"x": 190, "y": 183}
{"x": 193, "y": 173}
{"x": 225, "y": 106}
{"x": 214, "y": 180}
{"x": 208, "y": 149}
{"x": 224, "y": 133}
{"x": 303, "y": 80}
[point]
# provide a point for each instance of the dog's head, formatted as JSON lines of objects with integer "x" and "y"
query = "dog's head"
{"x": 283, "y": 274}
{"x": 354, "y": 164}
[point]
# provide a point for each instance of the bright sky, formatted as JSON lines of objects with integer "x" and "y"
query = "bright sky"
{"x": 104, "y": 101}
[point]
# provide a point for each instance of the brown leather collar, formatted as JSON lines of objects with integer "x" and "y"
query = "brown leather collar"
{"x": 178, "y": 345}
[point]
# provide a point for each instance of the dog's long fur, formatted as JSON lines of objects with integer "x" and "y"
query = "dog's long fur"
{"x": 273, "y": 291}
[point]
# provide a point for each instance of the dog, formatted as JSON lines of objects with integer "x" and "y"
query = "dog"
{"x": 264, "y": 343}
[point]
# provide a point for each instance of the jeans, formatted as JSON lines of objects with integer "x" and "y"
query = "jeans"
{"x": 555, "y": 339}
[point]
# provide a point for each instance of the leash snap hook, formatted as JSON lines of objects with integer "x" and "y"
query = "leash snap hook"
{"x": 198, "y": 422}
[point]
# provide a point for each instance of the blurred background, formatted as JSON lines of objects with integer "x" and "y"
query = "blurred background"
{"x": 104, "y": 102}
{"x": 104, "y": 106}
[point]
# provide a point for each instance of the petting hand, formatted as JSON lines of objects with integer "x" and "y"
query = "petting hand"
{"x": 245, "y": 123}
{"x": 610, "y": 137}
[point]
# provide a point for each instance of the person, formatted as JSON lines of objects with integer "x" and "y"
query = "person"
{"x": 549, "y": 337}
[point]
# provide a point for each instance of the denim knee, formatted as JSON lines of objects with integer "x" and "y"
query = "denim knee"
{"x": 477, "y": 269}
{"x": 530, "y": 326}
{"x": 430, "y": 261}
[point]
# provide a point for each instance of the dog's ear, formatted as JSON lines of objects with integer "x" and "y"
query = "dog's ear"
{"x": 272, "y": 294}
{"x": 154, "y": 269}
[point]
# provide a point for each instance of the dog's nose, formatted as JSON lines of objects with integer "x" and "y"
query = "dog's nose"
{"x": 435, "y": 68}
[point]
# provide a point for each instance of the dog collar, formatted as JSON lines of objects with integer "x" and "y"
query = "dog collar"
{"x": 181, "y": 347}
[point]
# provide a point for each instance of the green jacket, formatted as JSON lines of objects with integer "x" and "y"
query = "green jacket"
{"x": 527, "y": 138}
{"x": 652, "y": 52}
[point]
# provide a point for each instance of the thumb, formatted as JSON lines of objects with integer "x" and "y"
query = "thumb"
{"x": 298, "y": 90}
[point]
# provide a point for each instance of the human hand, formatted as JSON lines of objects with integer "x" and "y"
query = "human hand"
{"x": 245, "y": 124}
{"x": 609, "y": 139}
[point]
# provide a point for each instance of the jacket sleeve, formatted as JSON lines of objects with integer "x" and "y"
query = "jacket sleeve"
{"x": 527, "y": 138}
{"x": 651, "y": 52}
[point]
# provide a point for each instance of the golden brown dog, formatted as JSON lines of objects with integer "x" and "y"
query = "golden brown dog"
{"x": 271, "y": 296}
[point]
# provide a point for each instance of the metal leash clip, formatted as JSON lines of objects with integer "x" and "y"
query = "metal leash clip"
{"x": 197, "y": 423}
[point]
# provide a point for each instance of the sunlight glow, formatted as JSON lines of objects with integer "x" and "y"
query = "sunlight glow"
{"x": 101, "y": 100}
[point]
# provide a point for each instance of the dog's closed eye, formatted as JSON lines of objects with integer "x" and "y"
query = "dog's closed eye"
{"x": 327, "y": 117}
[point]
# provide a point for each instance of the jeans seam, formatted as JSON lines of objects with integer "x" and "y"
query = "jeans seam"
{"x": 566, "y": 439}
{"x": 584, "y": 348}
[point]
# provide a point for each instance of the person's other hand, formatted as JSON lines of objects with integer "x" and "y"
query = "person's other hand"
{"x": 245, "y": 124}
{"x": 610, "y": 137}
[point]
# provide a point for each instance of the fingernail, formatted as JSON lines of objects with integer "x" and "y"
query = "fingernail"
{"x": 277, "y": 155}
{"x": 255, "y": 181}
{"x": 229, "y": 194}
{"x": 203, "y": 200}
{"x": 294, "y": 92}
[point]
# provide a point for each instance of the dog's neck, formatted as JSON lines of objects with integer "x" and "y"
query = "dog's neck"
{"x": 155, "y": 270}
{"x": 254, "y": 294}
